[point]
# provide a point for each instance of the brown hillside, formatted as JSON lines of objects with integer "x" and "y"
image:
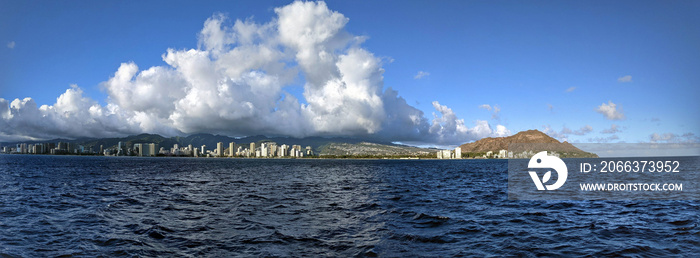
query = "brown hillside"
{"x": 544, "y": 142}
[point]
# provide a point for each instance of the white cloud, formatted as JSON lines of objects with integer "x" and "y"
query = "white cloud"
{"x": 582, "y": 131}
{"x": 565, "y": 132}
{"x": 613, "y": 129}
{"x": 570, "y": 89}
{"x": 234, "y": 84}
{"x": 485, "y": 106}
{"x": 553, "y": 133}
{"x": 610, "y": 111}
{"x": 11, "y": 44}
{"x": 420, "y": 75}
{"x": 501, "y": 131}
{"x": 496, "y": 110}
{"x": 604, "y": 139}
{"x": 72, "y": 115}
{"x": 665, "y": 137}
{"x": 673, "y": 138}
{"x": 626, "y": 78}
{"x": 449, "y": 128}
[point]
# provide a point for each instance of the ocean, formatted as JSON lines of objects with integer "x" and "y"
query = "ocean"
{"x": 128, "y": 206}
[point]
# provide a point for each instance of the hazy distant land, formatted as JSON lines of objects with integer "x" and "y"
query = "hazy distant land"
{"x": 333, "y": 147}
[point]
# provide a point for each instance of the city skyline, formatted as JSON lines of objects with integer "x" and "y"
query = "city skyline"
{"x": 268, "y": 149}
{"x": 428, "y": 75}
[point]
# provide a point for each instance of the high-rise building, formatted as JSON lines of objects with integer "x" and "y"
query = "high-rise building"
{"x": 263, "y": 150}
{"x": 445, "y": 154}
{"x": 146, "y": 149}
{"x": 502, "y": 154}
{"x": 62, "y": 146}
{"x": 252, "y": 149}
{"x": 231, "y": 149}
{"x": 203, "y": 152}
{"x": 220, "y": 149}
{"x": 139, "y": 148}
{"x": 458, "y": 153}
{"x": 282, "y": 150}
{"x": 120, "y": 148}
{"x": 272, "y": 149}
{"x": 309, "y": 151}
{"x": 72, "y": 148}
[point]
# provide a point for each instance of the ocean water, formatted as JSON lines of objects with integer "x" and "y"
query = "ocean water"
{"x": 89, "y": 206}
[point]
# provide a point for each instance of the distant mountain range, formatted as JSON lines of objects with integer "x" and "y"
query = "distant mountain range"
{"x": 341, "y": 146}
{"x": 531, "y": 140}
{"x": 374, "y": 149}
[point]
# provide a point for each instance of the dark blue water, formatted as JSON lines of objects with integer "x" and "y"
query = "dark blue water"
{"x": 88, "y": 206}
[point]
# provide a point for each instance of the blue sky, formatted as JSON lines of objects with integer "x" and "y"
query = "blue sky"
{"x": 547, "y": 65}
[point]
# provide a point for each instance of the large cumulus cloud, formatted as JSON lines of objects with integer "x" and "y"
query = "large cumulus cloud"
{"x": 73, "y": 115}
{"x": 234, "y": 84}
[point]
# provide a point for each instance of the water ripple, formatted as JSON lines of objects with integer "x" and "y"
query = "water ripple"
{"x": 96, "y": 206}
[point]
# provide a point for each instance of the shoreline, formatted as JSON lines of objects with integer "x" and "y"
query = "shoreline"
{"x": 305, "y": 158}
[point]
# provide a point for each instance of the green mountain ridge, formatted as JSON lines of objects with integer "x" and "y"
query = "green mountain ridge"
{"x": 210, "y": 140}
{"x": 368, "y": 149}
{"x": 531, "y": 140}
